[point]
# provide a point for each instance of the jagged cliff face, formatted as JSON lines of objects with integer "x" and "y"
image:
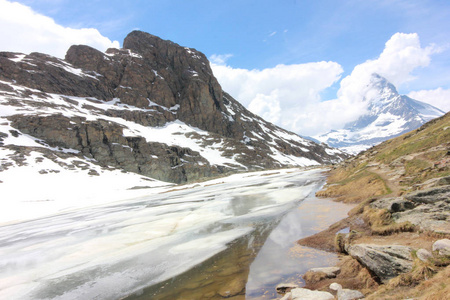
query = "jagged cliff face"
{"x": 153, "y": 108}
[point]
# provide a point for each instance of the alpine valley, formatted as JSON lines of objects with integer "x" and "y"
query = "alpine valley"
{"x": 153, "y": 108}
{"x": 388, "y": 115}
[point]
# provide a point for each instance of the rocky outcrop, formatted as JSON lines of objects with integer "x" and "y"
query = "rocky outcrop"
{"x": 426, "y": 209}
{"x": 105, "y": 142}
{"x": 431, "y": 195}
{"x": 385, "y": 262}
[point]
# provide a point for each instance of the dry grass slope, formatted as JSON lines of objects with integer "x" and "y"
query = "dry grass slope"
{"x": 413, "y": 161}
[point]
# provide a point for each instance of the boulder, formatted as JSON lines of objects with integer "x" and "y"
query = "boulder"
{"x": 305, "y": 294}
{"x": 335, "y": 286}
{"x": 442, "y": 246}
{"x": 283, "y": 288}
{"x": 423, "y": 254}
{"x": 345, "y": 294}
{"x": 386, "y": 262}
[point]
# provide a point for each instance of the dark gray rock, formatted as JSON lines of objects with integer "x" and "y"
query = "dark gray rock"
{"x": 430, "y": 195}
{"x": 385, "y": 262}
{"x": 284, "y": 288}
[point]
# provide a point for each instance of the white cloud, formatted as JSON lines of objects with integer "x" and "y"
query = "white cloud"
{"x": 23, "y": 30}
{"x": 280, "y": 94}
{"x": 289, "y": 95}
{"x": 267, "y": 106}
{"x": 401, "y": 55}
{"x": 438, "y": 97}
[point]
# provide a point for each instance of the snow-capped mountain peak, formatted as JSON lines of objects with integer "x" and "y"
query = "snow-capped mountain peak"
{"x": 389, "y": 114}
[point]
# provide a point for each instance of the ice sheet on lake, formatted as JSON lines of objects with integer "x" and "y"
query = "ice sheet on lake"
{"x": 111, "y": 250}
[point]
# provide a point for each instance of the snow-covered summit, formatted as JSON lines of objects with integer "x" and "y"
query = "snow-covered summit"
{"x": 388, "y": 115}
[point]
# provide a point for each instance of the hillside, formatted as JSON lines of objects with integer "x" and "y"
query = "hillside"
{"x": 397, "y": 235}
{"x": 153, "y": 108}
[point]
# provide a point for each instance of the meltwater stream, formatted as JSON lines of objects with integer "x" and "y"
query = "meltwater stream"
{"x": 197, "y": 241}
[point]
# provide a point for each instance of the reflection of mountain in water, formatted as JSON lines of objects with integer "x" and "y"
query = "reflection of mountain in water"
{"x": 223, "y": 275}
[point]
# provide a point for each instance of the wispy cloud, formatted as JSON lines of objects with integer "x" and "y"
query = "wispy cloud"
{"x": 438, "y": 97}
{"x": 220, "y": 59}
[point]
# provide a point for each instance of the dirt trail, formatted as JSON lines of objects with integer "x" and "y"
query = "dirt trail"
{"x": 390, "y": 179}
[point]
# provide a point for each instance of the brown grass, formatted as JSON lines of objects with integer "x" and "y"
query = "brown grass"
{"x": 314, "y": 277}
{"x": 352, "y": 276}
{"x": 356, "y": 188}
{"x": 418, "y": 284}
{"x": 381, "y": 222}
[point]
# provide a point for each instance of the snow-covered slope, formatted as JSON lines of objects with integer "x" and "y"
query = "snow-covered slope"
{"x": 153, "y": 109}
{"x": 389, "y": 115}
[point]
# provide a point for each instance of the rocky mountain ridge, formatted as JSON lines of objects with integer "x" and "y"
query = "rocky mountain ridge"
{"x": 389, "y": 114}
{"x": 152, "y": 108}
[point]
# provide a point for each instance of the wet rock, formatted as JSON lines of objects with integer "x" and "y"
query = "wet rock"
{"x": 442, "y": 246}
{"x": 384, "y": 261}
{"x": 423, "y": 254}
{"x": 305, "y": 294}
{"x": 331, "y": 272}
{"x": 283, "y": 288}
{"x": 288, "y": 296}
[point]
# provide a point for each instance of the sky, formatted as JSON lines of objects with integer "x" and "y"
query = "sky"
{"x": 300, "y": 64}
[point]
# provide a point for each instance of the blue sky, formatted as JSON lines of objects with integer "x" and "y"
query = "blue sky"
{"x": 262, "y": 34}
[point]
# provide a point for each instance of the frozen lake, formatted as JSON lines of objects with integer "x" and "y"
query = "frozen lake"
{"x": 115, "y": 250}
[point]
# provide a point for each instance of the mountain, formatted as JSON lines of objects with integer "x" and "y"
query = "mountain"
{"x": 153, "y": 108}
{"x": 389, "y": 115}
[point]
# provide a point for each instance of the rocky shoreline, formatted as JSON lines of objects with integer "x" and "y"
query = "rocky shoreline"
{"x": 395, "y": 244}
{"x": 366, "y": 267}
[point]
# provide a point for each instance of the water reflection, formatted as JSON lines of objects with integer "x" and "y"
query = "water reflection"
{"x": 281, "y": 259}
{"x": 251, "y": 267}
{"x": 222, "y": 276}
